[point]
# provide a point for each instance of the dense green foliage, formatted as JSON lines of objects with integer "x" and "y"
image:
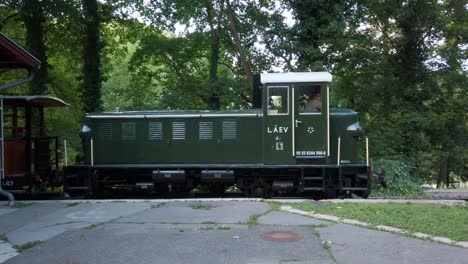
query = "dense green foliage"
{"x": 400, "y": 182}
{"x": 401, "y": 64}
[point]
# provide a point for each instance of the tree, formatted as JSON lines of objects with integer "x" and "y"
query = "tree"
{"x": 449, "y": 107}
{"x": 32, "y": 15}
{"x": 319, "y": 32}
{"x": 92, "y": 45}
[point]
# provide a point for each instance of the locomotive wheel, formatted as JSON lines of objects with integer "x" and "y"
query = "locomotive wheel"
{"x": 366, "y": 193}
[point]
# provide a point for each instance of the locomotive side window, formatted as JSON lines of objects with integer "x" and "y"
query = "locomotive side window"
{"x": 178, "y": 130}
{"x": 128, "y": 131}
{"x": 278, "y": 101}
{"x": 155, "y": 130}
{"x": 310, "y": 99}
{"x": 205, "y": 130}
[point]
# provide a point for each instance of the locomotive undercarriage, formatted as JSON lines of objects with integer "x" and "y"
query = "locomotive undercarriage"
{"x": 330, "y": 181}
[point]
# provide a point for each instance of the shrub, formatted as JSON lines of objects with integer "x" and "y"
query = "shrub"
{"x": 399, "y": 180}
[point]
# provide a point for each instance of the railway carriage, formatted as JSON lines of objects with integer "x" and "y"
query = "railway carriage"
{"x": 282, "y": 145}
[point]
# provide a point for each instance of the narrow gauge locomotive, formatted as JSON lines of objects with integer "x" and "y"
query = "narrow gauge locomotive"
{"x": 291, "y": 142}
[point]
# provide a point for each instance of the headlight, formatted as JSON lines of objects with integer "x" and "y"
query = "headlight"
{"x": 85, "y": 129}
{"x": 355, "y": 130}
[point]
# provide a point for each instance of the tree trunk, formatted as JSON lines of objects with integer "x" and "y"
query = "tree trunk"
{"x": 33, "y": 18}
{"x": 214, "y": 101}
{"x": 92, "y": 77}
{"x": 237, "y": 42}
{"x": 443, "y": 172}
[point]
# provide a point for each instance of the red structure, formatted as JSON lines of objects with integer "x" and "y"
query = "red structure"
{"x": 31, "y": 156}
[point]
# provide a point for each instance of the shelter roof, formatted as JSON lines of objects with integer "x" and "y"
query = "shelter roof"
{"x": 37, "y": 100}
{"x": 295, "y": 77}
{"x": 13, "y": 56}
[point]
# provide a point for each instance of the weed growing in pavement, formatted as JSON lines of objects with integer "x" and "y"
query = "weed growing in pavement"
{"x": 274, "y": 206}
{"x": 158, "y": 205}
{"x": 200, "y": 206}
{"x": 253, "y": 219}
{"x": 291, "y": 260}
{"x": 327, "y": 248}
{"x": 21, "y": 205}
{"x": 73, "y": 204}
{"x": 209, "y": 222}
{"x": 23, "y": 247}
{"x": 313, "y": 230}
{"x": 67, "y": 223}
{"x": 325, "y": 244}
{"x": 93, "y": 226}
{"x": 207, "y": 228}
{"x": 215, "y": 228}
{"x": 3, "y": 237}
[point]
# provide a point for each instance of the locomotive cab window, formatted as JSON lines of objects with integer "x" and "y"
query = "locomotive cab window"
{"x": 278, "y": 100}
{"x": 310, "y": 99}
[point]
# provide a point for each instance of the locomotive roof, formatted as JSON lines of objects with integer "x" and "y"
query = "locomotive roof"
{"x": 39, "y": 100}
{"x": 295, "y": 77}
{"x": 177, "y": 113}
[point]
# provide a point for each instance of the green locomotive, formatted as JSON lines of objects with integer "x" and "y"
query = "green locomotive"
{"x": 292, "y": 141}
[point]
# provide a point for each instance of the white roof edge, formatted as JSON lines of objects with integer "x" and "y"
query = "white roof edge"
{"x": 295, "y": 77}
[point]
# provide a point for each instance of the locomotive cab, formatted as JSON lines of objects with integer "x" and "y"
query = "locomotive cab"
{"x": 296, "y": 117}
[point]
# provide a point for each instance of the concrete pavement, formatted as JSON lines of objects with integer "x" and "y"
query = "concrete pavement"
{"x": 193, "y": 231}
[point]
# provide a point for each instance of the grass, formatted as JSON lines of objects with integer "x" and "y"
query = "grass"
{"x": 436, "y": 220}
{"x": 23, "y": 247}
{"x": 73, "y": 204}
{"x": 21, "y": 205}
{"x": 3, "y": 237}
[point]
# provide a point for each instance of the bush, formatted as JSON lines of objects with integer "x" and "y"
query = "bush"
{"x": 399, "y": 180}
